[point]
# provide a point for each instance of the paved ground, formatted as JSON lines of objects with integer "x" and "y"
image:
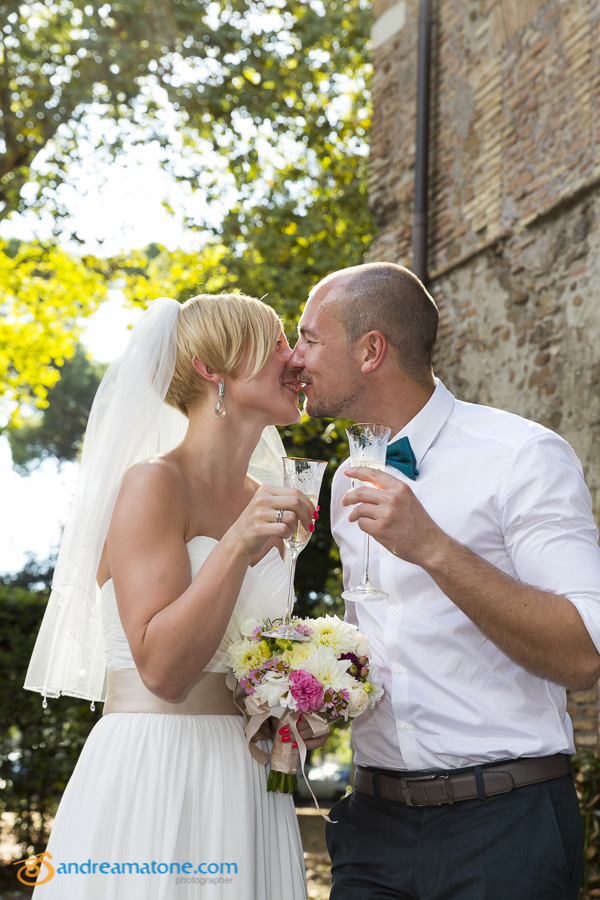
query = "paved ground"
{"x": 316, "y": 858}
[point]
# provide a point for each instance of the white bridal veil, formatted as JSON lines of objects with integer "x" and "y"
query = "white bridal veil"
{"x": 128, "y": 422}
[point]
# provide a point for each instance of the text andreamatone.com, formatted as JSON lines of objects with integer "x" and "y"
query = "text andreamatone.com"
{"x": 148, "y": 868}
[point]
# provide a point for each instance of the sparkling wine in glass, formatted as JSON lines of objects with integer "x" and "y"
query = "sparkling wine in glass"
{"x": 368, "y": 446}
{"x": 305, "y": 475}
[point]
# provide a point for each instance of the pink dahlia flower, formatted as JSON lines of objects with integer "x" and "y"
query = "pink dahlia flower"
{"x": 306, "y": 690}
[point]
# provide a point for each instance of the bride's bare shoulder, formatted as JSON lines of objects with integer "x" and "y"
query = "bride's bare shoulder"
{"x": 151, "y": 511}
{"x": 158, "y": 476}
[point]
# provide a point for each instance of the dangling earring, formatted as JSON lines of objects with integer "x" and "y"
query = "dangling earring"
{"x": 220, "y": 411}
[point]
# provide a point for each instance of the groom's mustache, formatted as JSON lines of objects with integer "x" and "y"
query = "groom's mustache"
{"x": 301, "y": 377}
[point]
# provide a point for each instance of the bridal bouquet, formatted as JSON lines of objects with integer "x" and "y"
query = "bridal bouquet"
{"x": 324, "y": 678}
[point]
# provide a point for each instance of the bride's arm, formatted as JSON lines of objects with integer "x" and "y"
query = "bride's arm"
{"x": 174, "y": 624}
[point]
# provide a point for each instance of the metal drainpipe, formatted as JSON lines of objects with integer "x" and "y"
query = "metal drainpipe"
{"x": 419, "y": 232}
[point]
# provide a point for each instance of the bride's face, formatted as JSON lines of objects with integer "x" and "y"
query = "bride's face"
{"x": 274, "y": 391}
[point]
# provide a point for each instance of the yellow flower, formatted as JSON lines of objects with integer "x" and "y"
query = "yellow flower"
{"x": 298, "y": 653}
{"x": 245, "y": 655}
{"x": 283, "y": 644}
{"x": 265, "y": 649}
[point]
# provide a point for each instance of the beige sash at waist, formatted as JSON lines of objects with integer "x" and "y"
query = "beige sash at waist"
{"x": 206, "y": 695}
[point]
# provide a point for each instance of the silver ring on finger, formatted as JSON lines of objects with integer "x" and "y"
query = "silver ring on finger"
{"x": 279, "y": 516}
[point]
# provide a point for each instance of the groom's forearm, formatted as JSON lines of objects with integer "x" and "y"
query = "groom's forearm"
{"x": 541, "y": 631}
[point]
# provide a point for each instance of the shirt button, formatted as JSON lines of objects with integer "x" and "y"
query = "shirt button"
{"x": 398, "y": 669}
{"x": 394, "y": 610}
{"x": 403, "y": 726}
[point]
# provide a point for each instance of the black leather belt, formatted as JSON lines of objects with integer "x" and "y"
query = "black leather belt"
{"x": 483, "y": 781}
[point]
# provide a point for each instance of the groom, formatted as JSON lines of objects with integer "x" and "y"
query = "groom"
{"x": 484, "y": 540}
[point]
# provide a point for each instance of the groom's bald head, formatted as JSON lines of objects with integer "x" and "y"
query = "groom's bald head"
{"x": 388, "y": 298}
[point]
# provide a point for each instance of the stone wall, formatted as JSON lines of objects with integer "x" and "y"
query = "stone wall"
{"x": 514, "y": 242}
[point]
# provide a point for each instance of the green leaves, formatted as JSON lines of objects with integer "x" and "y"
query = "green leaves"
{"x": 244, "y": 75}
{"x": 38, "y": 748}
{"x": 44, "y": 294}
{"x": 58, "y": 430}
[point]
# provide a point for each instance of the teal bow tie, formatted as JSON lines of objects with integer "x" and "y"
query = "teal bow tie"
{"x": 400, "y": 455}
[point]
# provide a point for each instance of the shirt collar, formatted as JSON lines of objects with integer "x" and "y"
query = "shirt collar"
{"x": 423, "y": 428}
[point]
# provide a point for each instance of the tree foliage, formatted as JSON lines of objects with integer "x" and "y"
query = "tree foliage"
{"x": 44, "y": 295}
{"x": 38, "y": 747}
{"x": 78, "y": 76}
{"x": 57, "y": 430}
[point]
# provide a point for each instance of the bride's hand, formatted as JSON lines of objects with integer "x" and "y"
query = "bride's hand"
{"x": 260, "y": 523}
{"x": 306, "y": 733}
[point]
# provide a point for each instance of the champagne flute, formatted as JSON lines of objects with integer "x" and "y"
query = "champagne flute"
{"x": 305, "y": 475}
{"x": 368, "y": 446}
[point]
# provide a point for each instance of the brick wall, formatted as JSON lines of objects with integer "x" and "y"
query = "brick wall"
{"x": 514, "y": 237}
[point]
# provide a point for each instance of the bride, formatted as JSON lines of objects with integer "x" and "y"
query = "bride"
{"x": 184, "y": 544}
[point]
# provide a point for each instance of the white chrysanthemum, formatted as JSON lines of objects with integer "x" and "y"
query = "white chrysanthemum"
{"x": 298, "y": 654}
{"x": 248, "y": 626}
{"x": 245, "y": 655}
{"x": 272, "y": 689}
{"x": 329, "y": 631}
{"x": 327, "y": 669}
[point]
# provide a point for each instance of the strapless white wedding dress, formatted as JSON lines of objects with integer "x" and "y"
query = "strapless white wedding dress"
{"x": 164, "y": 790}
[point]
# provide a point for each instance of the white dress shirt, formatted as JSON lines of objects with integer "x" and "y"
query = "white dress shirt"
{"x": 513, "y": 492}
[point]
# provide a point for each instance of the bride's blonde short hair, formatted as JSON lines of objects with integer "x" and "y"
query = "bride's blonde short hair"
{"x": 233, "y": 334}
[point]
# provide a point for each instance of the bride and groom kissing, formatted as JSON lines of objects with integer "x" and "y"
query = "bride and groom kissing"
{"x": 463, "y": 786}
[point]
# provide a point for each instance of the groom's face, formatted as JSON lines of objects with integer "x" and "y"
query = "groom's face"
{"x": 324, "y": 359}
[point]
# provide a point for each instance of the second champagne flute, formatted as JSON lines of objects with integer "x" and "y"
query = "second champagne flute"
{"x": 368, "y": 447}
{"x": 305, "y": 475}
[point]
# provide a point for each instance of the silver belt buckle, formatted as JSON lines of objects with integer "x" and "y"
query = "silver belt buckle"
{"x": 437, "y": 793}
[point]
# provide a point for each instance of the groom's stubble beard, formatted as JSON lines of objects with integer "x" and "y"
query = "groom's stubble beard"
{"x": 328, "y": 407}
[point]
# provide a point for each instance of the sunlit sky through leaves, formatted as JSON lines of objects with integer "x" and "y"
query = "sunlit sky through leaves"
{"x": 122, "y": 205}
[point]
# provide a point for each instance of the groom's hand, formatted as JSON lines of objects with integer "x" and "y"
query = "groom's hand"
{"x": 387, "y": 509}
